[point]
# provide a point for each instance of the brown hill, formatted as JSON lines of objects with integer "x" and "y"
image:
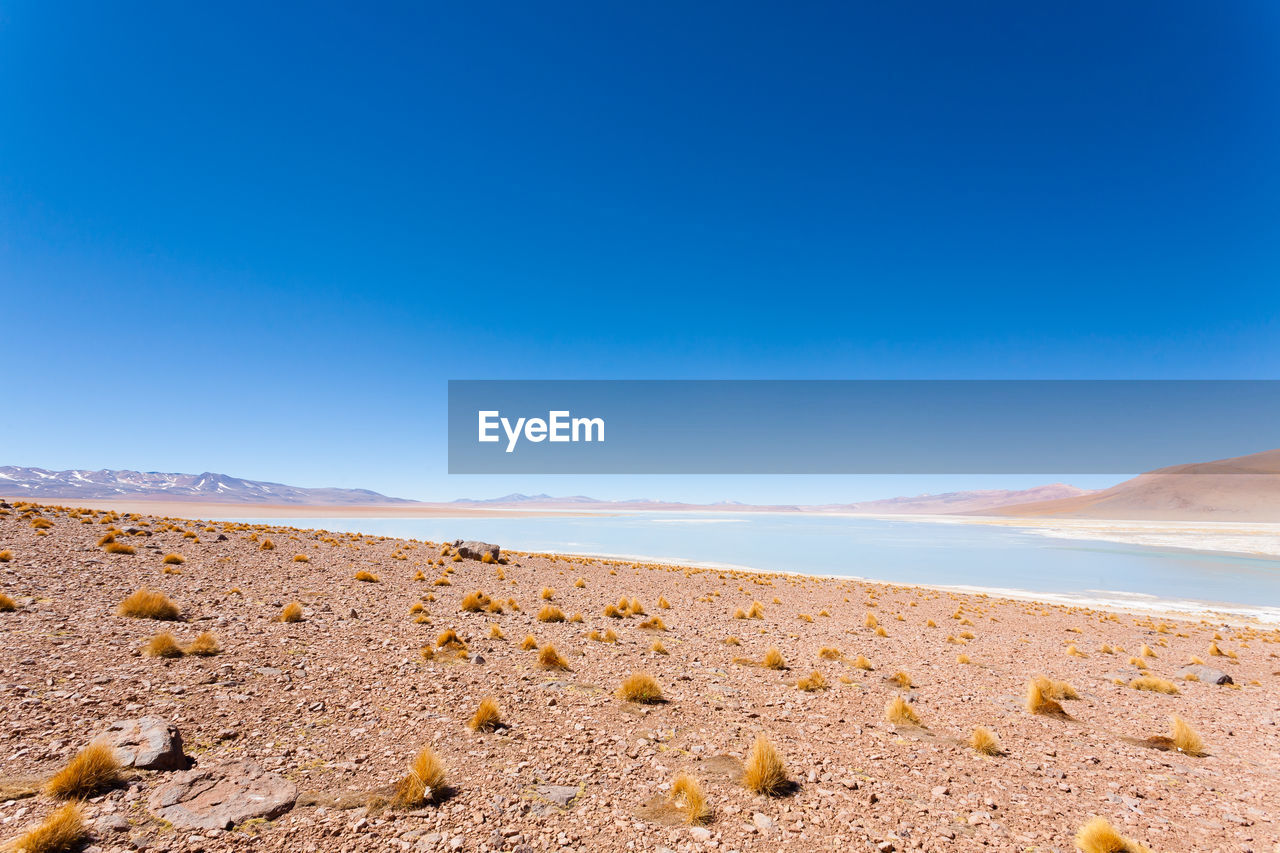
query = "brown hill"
{"x": 1243, "y": 488}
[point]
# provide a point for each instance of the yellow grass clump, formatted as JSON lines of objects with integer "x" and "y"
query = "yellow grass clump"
{"x": 899, "y": 712}
{"x": 425, "y": 780}
{"x": 663, "y": 603}
{"x": 756, "y": 611}
{"x": 658, "y": 649}
{"x": 174, "y": 559}
{"x": 487, "y": 717}
{"x": 963, "y": 658}
{"x": 449, "y": 639}
{"x": 871, "y": 621}
{"x": 474, "y": 602}
{"x": 6, "y": 555}
{"x": 653, "y": 624}
{"x": 764, "y": 772}
{"x": 119, "y": 548}
{"x": 549, "y": 658}
{"x": 529, "y": 643}
{"x": 829, "y": 653}
{"x": 861, "y": 662}
{"x": 292, "y": 612}
{"x": 812, "y": 683}
{"x": 773, "y": 659}
{"x": 7, "y": 604}
{"x": 205, "y": 645}
{"x": 163, "y": 646}
{"x": 1148, "y": 652}
{"x": 367, "y": 577}
{"x": 1042, "y": 697}
{"x": 145, "y": 604}
{"x": 547, "y": 593}
{"x": 495, "y": 633}
{"x": 686, "y": 793}
{"x": 579, "y": 583}
{"x": 1154, "y": 684}
{"x": 94, "y": 769}
{"x": 901, "y": 679}
{"x": 1184, "y": 738}
{"x": 640, "y": 687}
{"x": 60, "y": 832}
{"x": 1099, "y": 836}
{"x": 984, "y": 741}
{"x": 267, "y": 545}
{"x": 301, "y": 558}
{"x": 550, "y": 613}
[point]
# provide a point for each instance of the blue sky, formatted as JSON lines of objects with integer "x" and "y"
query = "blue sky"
{"x": 260, "y": 238}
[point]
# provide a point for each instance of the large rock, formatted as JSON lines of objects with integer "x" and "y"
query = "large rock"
{"x": 472, "y": 550}
{"x": 148, "y": 743}
{"x": 1207, "y": 674}
{"x": 220, "y": 798}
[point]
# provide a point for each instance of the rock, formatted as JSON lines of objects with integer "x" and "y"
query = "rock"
{"x": 1207, "y": 674}
{"x": 762, "y": 821}
{"x": 147, "y": 743}
{"x": 700, "y": 833}
{"x": 561, "y": 795}
{"x": 112, "y": 823}
{"x": 222, "y": 797}
{"x": 472, "y": 550}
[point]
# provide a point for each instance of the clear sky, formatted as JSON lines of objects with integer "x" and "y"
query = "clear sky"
{"x": 258, "y": 238}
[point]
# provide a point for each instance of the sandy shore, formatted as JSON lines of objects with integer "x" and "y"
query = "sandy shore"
{"x": 336, "y": 705}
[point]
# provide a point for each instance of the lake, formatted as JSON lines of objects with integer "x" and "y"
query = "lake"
{"x": 997, "y": 559}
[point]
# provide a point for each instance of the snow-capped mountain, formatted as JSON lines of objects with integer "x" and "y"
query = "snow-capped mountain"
{"x": 18, "y": 482}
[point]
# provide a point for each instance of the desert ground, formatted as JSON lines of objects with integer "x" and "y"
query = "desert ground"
{"x": 308, "y": 735}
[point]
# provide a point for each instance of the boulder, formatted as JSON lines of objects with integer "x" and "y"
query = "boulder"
{"x": 1207, "y": 674}
{"x": 561, "y": 795}
{"x": 147, "y": 743}
{"x": 472, "y": 550}
{"x": 222, "y": 797}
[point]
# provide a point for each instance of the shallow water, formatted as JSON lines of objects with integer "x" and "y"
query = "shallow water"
{"x": 914, "y": 552}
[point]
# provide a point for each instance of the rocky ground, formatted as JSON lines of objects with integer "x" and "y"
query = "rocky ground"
{"x": 308, "y": 724}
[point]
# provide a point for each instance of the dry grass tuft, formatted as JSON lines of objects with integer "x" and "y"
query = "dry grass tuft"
{"x": 487, "y": 717}
{"x": 963, "y": 658}
{"x": 267, "y": 545}
{"x": 529, "y": 643}
{"x": 550, "y": 613}
{"x": 495, "y": 633}
{"x": 549, "y": 658}
{"x": 579, "y": 583}
{"x": 764, "y": 772}
{"x": 145, "y": 604}
{"x": 61, "y": 832}
{"x": 773, "y": 659}
{"x": 475, "y": 602}
{"x": 756, "y": 611}
{"x": 301, "y": 558}
{"x": 163, "y": 646}
{"x": 686, "y": 793}
{"x": 6, "y": 555}
{"x": 367, "y": 577}
{"x": 547, "y": 593}
{"x": 653, "y": 624}
{"x": 1154, "y": 684}
{"x": 7, "y": 604}
{"x": 658, "y": 648}
{"x": 899, "y": 712}
{"x": 449, "y": 639}
{"x": 640, "y": 687}
{"x": 174, "y": 559}
{"x": 901, "y": 679}
{"x": 1148, "y": 652}
{"x": 205, "y": 645}
{"x": 732, "y": 641}
{"x": 94, "y": 769}
{"x": 984, "y": 741}
{"x": 426, "y": 779}
{"x": 1185, "y": 739}
{"x": 292, "y": 612}
{"x": 829, "y": 653}
{"x": 1099, "y": 836}
{"x": 663, "y": 603}
{"x": 1040, "y": 698}
{"x": 813, "y": 682}
{"x": 861, "y": 662}
{"x": 119, "y": 548}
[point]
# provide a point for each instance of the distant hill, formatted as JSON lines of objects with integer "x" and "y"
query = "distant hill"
{"x": 31, "y": 483}
{"x": 1243, "y": 488}
{"x": 970, "y": 501}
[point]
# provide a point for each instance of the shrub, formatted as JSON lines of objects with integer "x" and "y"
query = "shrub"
{"x": 145, "y": 604}
{"x": 449, "y": 639}
{"x": 756, "y": 611}
{"x": 861, "y": 662}
{"x": 475, "y": 602}
{"x": 1154, "y": 684}
{"x": 550, "y": 613}
{"x": 812, "y": 683}
{"x": 487, "y": 716}
{"x": 292, "y": 612}
{"x": 1040, "y": 698}
{"x": 665, "y": 605}
{"x": 174, "y": 559}
{"x": 301, "y": 558}
{"x": 529, "y": 643}
{"x": 267, "y": 545}
{"x": 163, "y": 646}
{"x": 6, "y": 555}
{"x": 495, "y": 633}
{"x": 658, "y": 648}
{"x": 640, "y": 687}
{"x": 653, "y": 624}
{"x": 899, "y": 711}
{"x": 94, "y": 769}
{"x": 732, "y": 641}
{"x": 963, "y": 658}
{"x": 579, "y": 583}
{"x": 1184, "y": 738}
{"x": 739, "y": 614}
{"x": 41, "y": 523}
{"x": 829, "y": 653}
{"x": 425, "y": 780}
{"x": 367, "y": 577}
{"x": 901, "y": 679}
{"x": 984, "y": 741}
{"x": 764, "y": 772}
{"x": 612, "y": 611}
{"x": 119, "y": 548}
{"x": 686, "y": 793}
{"x": 205, "y": 645}
{"x": 871, "y": 621}
{"x": 1099, "y": 836}
{"x": 7, "y": 604}
{"x": 773, "y": 659}
{"x": 547, "y": 593}
{"x": 549, "y": 658}
{"x": 60, "y": 832}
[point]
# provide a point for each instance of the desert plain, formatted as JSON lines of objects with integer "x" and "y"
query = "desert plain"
{"x": 284, "y": 704}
